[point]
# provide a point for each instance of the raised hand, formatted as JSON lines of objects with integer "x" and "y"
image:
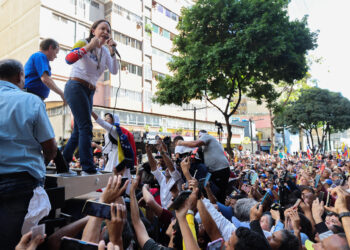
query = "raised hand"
{"x": 342, "y": 203}
{"x": 317, "y": 210}
{"x": 113, "y": 189}
{"x": 116, "y": 224}
{"x": 256, "y": 212}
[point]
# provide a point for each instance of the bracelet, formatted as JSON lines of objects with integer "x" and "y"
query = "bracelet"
{"x": 345, "y": 214}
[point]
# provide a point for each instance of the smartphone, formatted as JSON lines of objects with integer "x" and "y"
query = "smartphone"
{"x": 267, "y": 194}
{"x": 328, "y": 198}
{"x": 321, "y": 196}
{"x": 75, "y": 244}
{"x": 179, "y": 200}
{"x": 253, "y": 178}
{"x": 97, "y": 209}
{"x": 207, "y": 178}
{"x": 215, "y": 245}
{"x": 317, "y": 180}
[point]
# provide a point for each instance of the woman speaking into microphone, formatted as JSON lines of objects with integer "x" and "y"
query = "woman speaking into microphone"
{"x": 90, "y": 57}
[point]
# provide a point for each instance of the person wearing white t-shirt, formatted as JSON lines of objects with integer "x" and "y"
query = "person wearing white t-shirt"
{"x": 90, "y": 58}
{"x": 168, "y": 180}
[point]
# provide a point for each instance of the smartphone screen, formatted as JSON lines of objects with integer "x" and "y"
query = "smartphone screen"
{"x": 317, "y": 180}
{"x": 75, "y": 244}
{"x": 97, "y": 209}
{"x": 328, "y": 196}
{"x": 215, "y": 245}
{"x": 267, "y": 194}
{"x": 321, "y": 196}
{"x": 207, "y": 178}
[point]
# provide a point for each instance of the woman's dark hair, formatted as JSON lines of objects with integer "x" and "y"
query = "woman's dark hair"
{"x": 289, "y": 241}
{"x": 306, "y": 226}
{"x": 94, "y": 26}
{"x": 110, "y": 116}
{"x": 46, "y": 43}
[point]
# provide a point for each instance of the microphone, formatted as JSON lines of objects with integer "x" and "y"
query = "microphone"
{"x": 116, "y": 51}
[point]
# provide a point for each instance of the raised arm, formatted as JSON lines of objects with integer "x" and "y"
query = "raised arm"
{"x": 71, "y": 230}
{"x": 139, "y": 227}
{"x": 191, "y": 144}
{"x": 209, "y": 224}
{"x": 151, "y": 160}
{"x": 187, "y": 235}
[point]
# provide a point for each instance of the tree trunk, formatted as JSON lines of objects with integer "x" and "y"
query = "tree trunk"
{"x": 272, "y": 137}
{"x": 329, "y": 139}
{"x": 312, "y": 142}
{"x": 229, "y": 136}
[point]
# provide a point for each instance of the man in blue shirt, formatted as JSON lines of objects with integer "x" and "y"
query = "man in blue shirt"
{"x": 37, "y": 70}
{"x": 26, "y": 138}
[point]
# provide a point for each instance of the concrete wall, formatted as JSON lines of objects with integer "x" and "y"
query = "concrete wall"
{"x": 19, "y": 28}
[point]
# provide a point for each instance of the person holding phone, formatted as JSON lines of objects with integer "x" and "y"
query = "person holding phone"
{"x": 90, "y": 57}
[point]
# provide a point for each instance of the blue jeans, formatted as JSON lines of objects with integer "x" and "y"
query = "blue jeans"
{"x": 16, "y": 190}
{"x": 79, "y": 99}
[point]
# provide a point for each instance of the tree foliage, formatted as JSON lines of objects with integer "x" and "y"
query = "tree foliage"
{"x": 227, "y": 48}
{"x": 316, "y": 110}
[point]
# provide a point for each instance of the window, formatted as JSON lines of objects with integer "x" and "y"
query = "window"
{"x": 162, "y": 32}
{"x": 166, "y": 34}
{"x": 160, "y": 8}
{"x": 133, "y": 69}
{"x": 127, "y": 40}
{"x": 106, "y": 75}
{"x": 139, "y": 71}
{"x": 94, "y": 4}
{"x": 127, "y": 14}
{"x": 155, "y": 28}
{"x": 168, "y": 13}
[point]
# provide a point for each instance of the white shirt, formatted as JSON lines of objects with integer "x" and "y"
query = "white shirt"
{"x": 86, "y": 67}
{"x": 225, "y": 226}
{"x": 165, "y": 195}
{"x": 183, "y": 149}
{"x": 109, "y": 148}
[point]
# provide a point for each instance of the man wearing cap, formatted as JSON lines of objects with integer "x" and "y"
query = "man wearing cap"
{"x": 214, "y": 159}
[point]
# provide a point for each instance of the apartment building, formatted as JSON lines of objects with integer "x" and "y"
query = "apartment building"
{"x": 143, "y": 29}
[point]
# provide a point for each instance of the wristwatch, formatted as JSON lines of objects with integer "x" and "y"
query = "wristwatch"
{"x": 345, "y": 214}
{"x": 190, "y": 212}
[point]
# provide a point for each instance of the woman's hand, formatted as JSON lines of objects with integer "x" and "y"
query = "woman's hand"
{"x": 94, "y": 43}
{"x": 111, "y": 43}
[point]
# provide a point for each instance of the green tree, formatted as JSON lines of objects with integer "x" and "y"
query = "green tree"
{"x": 318, "y": 112}
{"x": 228, "y": 48}
{"x": 285, "y": 93}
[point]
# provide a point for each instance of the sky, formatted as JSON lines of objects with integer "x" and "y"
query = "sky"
{"x": 332, "y": 19}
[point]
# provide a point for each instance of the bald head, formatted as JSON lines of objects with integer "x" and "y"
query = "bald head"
{"x": 12, "y": 71}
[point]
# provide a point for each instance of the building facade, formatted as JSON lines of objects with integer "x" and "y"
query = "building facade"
{"x": 143, "y": 30}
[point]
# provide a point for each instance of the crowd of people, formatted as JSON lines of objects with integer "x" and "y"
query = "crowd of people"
{"x": 186, "y": 195}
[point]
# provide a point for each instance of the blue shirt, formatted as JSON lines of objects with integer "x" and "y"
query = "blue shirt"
{"x": 24, "y": 124}
{"x": 34, "y": 69}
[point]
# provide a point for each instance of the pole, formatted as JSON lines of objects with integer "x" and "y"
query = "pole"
{"x": 251, "y": 134}
{"x": 284, "y": 139}
{"x": 194, "y": 123}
